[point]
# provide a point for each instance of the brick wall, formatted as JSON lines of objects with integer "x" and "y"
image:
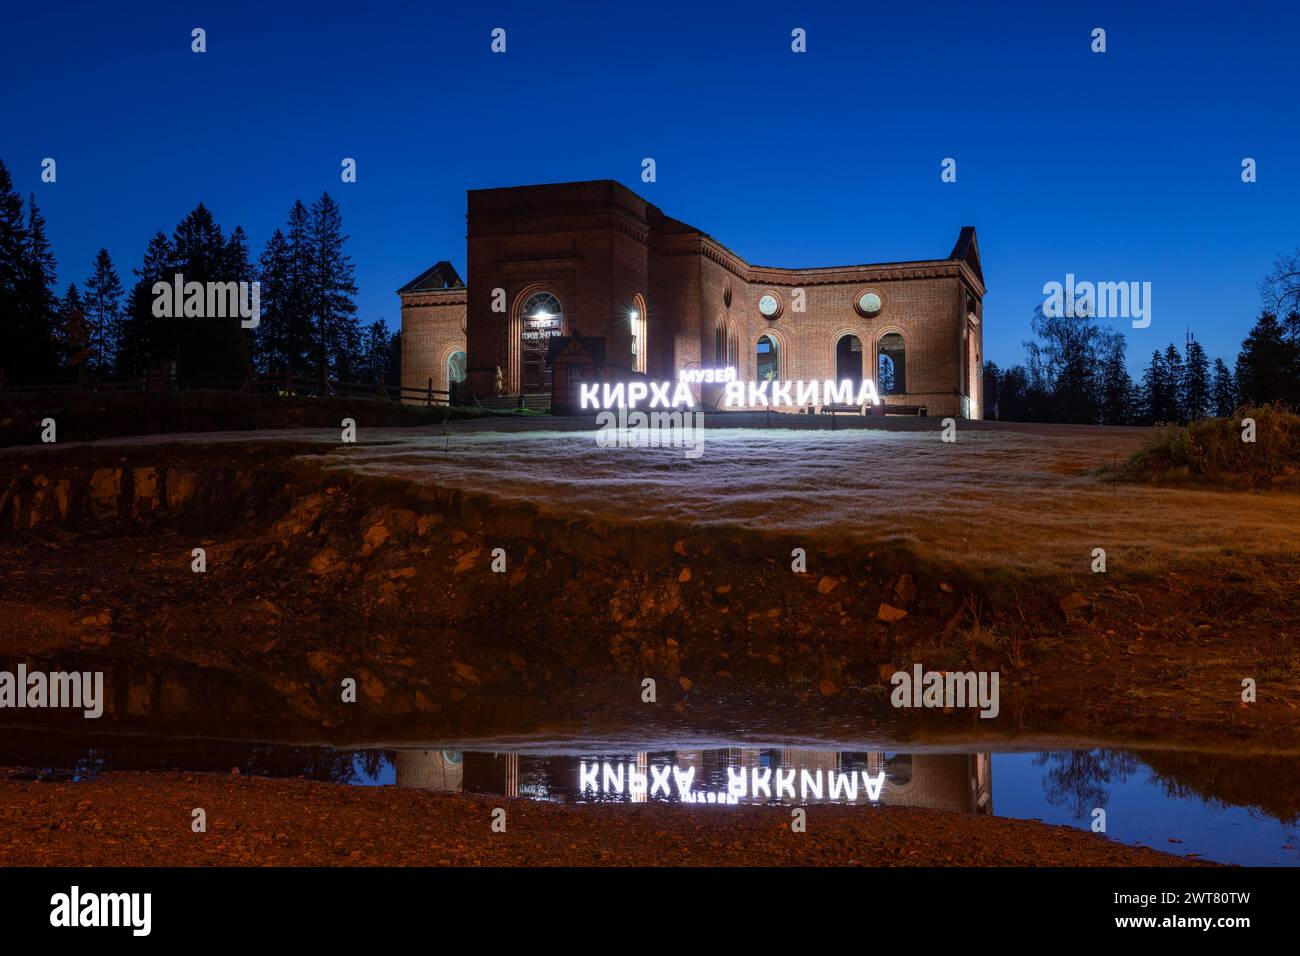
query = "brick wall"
{"x": 433, "y": 326}
{"x": 597, "y": 245}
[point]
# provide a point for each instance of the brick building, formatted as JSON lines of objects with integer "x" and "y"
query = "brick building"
{"x": 596, "y": 259}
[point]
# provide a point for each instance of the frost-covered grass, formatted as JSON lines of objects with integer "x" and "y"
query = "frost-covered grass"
{"x": 1025, "y": 498}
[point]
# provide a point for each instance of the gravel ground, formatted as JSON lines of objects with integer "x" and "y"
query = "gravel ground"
{"x": 132, "y": 819}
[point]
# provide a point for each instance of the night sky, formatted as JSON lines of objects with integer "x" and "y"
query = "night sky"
{"x": 1123, "y": 166}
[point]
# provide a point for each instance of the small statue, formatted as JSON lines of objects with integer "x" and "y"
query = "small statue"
{"x": 501, "y": 381}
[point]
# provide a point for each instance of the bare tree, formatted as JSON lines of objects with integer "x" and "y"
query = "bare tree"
{"x": 1280, "y": 289}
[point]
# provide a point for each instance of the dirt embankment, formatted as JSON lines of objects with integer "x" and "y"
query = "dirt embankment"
{"x": 134, "y": 819}
{"x": 314, "y": 576}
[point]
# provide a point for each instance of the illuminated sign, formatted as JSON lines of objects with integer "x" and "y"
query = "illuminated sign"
{"x": 766, "y": 394}
{"x": 541, "y": 326}
{"x": 706, "y": 375}
{"x": 752, "y": 783}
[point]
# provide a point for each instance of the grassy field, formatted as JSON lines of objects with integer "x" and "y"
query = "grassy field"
{"x": 1015, "y": 497}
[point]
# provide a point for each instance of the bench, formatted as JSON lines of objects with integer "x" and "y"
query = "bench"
{"x": 843, "y": 409}
{"x": 868, "y": 409}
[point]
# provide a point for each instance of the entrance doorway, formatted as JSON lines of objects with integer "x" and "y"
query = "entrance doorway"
{"x": 541, "y": 319}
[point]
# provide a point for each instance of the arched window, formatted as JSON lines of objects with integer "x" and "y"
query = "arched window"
{"x": 769, "y": 358}
{"x": 898, "y": 769}
{"x": 848, "y": 359}
{"x": 456, "y": 368}
{"x": 638, "y": 320}
{"x": 542, "y": 307}
{"x": 892, "y": 365}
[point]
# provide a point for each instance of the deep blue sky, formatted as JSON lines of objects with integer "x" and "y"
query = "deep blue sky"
{"x": 1119, "y": 166}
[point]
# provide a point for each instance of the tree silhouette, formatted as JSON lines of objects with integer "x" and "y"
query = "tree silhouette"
{"x": 103, "y": 313}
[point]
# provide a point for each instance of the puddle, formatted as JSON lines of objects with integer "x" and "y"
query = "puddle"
{"x": 1231, "y": 809}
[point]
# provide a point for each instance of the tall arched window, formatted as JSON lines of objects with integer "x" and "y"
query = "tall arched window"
{"x": 898, "y": 769}
{"x": 638, "y": 319}
{"x": 455, "y": 368}
{"x": 848, "y": 359}
{"x": 892, "y": 363}
{"x": 768, "y": 354}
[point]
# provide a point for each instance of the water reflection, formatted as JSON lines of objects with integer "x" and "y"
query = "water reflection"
{"x": 1226, "y": 807}
{"x": 1080, "y": 780}
{"x": 959, "y": 782}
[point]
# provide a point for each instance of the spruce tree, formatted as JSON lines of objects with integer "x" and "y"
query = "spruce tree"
{"x": 1156, "y": 390}
{"x": 34, "y": 303}
{"x": 210, "y": 347}
{"x": 270, "y": 338}
{"x": 332, "y": 288}
{"x": 13, "y": 232}
{"x": 141, "y": 345}
{"x": 73, "y": 330}
{"x": 1018, "y": 400}
{"x": 299, "y": 299}
{"x": 1177, "y": 385}
{"x": 199, "y": 247}
{"x": 1266, "y": 365}
{"x": 1196, "y": 382}
{"x": 1224, "y": 390}
{"x": 393, "y": 364}
{"x": 103, "y": 314}
{"x": 236, "y": 266}
{"x": 1116, "y": 384}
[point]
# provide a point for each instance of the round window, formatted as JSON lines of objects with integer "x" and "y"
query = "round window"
{"x": 869, "y": 303}
{"x": 769, "y": 305}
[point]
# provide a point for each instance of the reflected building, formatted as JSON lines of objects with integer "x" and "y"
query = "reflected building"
{"x": 958, "y": 782}
{"x": 440, "y": 770}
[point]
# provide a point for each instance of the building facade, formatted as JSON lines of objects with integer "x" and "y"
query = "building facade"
{"x": 596, "y": 260}
{"x": 957, "y": 782}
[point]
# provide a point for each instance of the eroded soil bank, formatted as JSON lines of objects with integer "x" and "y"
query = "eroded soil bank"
{"x": 315, "y": 575}
{"x": 132, "y": 819}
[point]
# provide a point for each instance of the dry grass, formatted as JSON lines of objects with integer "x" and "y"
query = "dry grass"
{"x": 1212, "y": 450}
{"x": 1015, "y": 499}
{"x": 1010, "y": 499}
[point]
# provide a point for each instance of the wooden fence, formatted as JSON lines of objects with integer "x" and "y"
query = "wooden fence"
{"x": 275, "y": 383}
